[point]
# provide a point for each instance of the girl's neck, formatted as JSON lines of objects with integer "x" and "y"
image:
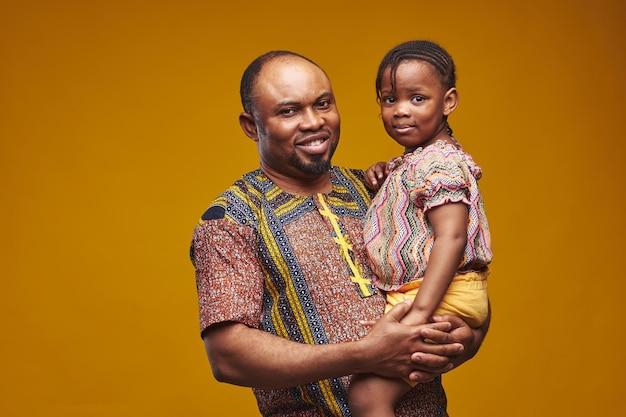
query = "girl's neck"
{"x": 442, "y": 135}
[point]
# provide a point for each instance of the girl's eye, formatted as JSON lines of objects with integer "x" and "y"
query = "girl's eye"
{"x": 388, "y": 100}
{"x": 417, "y": 99}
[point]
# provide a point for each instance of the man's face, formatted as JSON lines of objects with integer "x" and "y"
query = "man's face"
{"x": 296, "y": 118}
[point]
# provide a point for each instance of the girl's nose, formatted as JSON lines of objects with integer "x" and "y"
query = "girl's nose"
{"x": 400, "y": 109}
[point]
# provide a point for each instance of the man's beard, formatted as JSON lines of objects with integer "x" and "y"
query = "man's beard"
{"x": 317, "y": 165}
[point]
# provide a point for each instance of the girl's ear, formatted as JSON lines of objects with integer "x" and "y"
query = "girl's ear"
{"x": 248, "y": 125}
{"x": 450, "y": 101}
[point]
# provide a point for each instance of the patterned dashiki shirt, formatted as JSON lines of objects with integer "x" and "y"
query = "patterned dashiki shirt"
{"x": 397, "y": 233}
{"x": 295, "y": 267}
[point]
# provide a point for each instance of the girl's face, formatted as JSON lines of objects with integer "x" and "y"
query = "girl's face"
{"x": 414, "y": 113}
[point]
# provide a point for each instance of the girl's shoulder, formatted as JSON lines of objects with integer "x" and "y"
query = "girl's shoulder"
{"x": 442, "y": 156}
{"x": 438, "y": 152}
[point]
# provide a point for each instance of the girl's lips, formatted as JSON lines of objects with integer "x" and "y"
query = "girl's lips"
{"x": 403, "y": 128}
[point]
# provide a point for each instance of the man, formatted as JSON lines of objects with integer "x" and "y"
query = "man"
{"x": 282, "y": 274}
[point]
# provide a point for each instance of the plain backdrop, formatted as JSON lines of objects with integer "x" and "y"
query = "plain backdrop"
{"x": 118, "y": 126}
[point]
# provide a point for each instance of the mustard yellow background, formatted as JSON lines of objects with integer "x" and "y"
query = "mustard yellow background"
{"x": 118, "y": 124}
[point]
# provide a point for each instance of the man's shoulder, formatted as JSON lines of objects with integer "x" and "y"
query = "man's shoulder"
{"x": 346, "y": 169}
{"x": 354, "y": 175}
{"x": 352, "y": 179}
{"x": 237, "y": 194}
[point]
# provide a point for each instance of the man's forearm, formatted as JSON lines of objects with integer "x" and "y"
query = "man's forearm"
{"x": 245, "y": 356}
{"x": 249, "y": 357}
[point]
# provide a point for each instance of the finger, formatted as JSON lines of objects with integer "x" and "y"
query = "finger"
{"x": 399, "y": 310}
{"x": 431, "y": 364}
{"x": 423, "y": 376}
{"x": 439, "y": 335}
{"x": 371, "y": 178}
{"x": 428, "y": 328}
{"x": 427, "y": 367}
{"x": 455, "y": 321}
{"x": 429, "y": 352}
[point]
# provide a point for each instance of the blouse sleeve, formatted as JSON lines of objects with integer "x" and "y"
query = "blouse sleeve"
{"x": 229, "y": 279}
{"x": 438, "y": 180}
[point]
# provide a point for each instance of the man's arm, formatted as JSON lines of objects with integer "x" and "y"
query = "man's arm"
{"x": 246, "y": 356}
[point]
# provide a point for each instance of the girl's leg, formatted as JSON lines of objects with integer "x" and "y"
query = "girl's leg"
{"x": 371, "y": 395}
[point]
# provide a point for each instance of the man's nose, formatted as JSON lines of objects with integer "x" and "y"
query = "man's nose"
{"x": 311, "y": 120}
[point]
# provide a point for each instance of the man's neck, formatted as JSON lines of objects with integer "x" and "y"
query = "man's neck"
{"x": 302, "y": 186}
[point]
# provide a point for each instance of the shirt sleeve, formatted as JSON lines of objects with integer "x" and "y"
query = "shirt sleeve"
{"x": 229, "y": 279}
{"x": 439, "y": 180}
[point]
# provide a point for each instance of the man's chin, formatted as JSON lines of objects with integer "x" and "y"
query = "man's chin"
{"x": 316, "y": 169}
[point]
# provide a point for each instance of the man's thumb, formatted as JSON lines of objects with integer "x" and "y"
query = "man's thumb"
{"x": 399, "y": 310}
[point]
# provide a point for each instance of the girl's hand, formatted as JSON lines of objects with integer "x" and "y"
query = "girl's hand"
{"x": 375, "y": 175}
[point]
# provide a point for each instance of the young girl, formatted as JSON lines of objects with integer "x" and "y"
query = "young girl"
{"x": 426, "y": 228}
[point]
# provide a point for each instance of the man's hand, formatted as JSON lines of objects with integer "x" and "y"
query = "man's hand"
{"x": 390, "y": 345}
{"x": 433, "y": 362}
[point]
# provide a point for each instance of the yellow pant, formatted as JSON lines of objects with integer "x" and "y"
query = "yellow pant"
{"x": 466, "y": 297}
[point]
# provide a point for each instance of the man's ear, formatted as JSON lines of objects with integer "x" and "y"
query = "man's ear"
{"x": 248, "y": 125}
{"x": 450, "y": 101}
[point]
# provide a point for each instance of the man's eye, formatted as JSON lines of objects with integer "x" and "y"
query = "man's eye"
{"x": 287, "y": 112}
{"x": 323, "y": 103}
